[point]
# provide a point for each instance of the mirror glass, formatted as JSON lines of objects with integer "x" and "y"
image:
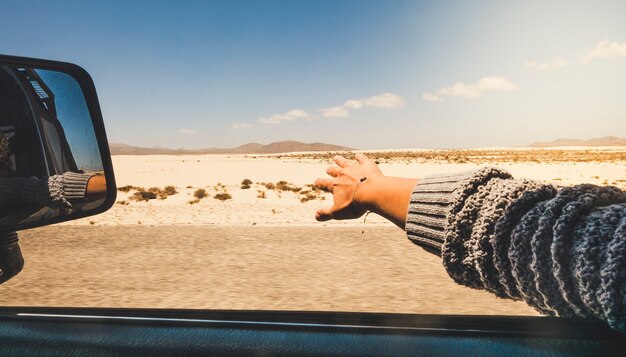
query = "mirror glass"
{"x": 50, "y": 163}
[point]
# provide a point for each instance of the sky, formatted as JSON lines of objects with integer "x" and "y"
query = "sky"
{"x": 364, "y": 74}
{"x": 72, "y": 112}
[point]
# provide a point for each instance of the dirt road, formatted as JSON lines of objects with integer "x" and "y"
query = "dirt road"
{"x": 277, "y": 268}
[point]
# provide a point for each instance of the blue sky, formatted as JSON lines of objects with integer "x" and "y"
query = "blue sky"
{"x": 365, "y": 74}
{"x": 73, "y": 114}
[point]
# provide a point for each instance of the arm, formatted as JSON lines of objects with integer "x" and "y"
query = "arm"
{"x": 56, "y": 190}
{"x": 96, "y": 188}
{"x": 563, "y": 252}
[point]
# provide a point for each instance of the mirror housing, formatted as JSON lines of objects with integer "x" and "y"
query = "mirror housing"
{"x": 55, "y": 163}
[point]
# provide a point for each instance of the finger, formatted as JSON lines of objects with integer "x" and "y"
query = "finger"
{"x": 325, "y": 184}
{"x": 333, "y": 171}
{"x": 364, "y": 160}
{"x": 342, "y": 161}
{"x": 323, "y": 214}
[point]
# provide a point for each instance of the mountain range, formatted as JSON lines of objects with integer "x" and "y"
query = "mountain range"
{"x": 251, "y": 148}
{"x": 605, "y": 141}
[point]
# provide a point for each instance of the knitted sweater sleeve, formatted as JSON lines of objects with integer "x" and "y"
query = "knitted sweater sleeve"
{"x": 562, "y": 251}
{"x": 53, "y": 191}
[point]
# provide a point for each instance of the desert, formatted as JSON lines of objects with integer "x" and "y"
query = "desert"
{"x": 237, "y": 231}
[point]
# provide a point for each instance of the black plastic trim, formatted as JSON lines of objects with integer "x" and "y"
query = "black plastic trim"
{"x": 353, "y": 322}
{"x": 91, "y": 98}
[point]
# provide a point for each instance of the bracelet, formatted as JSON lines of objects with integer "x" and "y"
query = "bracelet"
{"x": 354, "y": 191}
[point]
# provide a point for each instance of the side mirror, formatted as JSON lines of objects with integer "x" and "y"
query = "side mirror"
{"x": 55, "y": 163}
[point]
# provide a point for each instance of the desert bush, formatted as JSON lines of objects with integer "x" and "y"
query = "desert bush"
{"x": 193, "y": 202}
{"x": 200, "y": 193}
{"x": 128, "y": 188}
{"x": 269, "y": 185}
{"x": 245, "y": 184}
{"x": 286, "y": 186}
{"x": 143, "y": 196}
{"x": 170, "y": 190}
{"x": 308, "y": 196}
{"x": 223, "y": 196}
{"x": 260, "y": 194}
{"x": 122, "y": 202}
{"x": 163, "y": 193}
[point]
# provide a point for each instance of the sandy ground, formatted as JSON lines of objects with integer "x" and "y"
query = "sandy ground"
{"x": 208, "y": 172}
{"x": 267, "y": 252}
{"x": 277, "y": 268}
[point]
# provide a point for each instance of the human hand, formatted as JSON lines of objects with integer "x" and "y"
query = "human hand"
{"x": 346, "y": 176}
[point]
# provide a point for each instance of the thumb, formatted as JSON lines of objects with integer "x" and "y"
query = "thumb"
{"x": 324, "y": 214}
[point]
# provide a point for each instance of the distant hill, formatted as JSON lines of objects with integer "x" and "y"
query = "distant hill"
{"x": 605, "y": 141}
{"x": 251, "y": 148}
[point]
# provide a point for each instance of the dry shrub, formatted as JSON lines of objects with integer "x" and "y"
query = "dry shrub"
{"x": 193, "y": 202}
{"x": 480, "y": 156}
{"x": 128, "y": 188}
{"x": 269, "y": 185}
{"x": 308, "y": 196}
{"x": 143, "y": 196}
{"x": 312, "y": 193}
{"x": 245, "y": 184}
{"x": 170, "y": 190}
{"x": 122, "y": 202}
{"x": 163, "y": 193}
{"x": 223, "y": 196}
{"x": 200, "y": 193}
{"x": 260, "y": 194}
{"x": 286, "y": 186}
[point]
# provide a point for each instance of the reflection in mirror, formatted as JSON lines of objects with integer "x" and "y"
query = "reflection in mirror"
{"x": 50, "y": 163}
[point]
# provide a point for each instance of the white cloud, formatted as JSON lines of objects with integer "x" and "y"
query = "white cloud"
{"x": 186, "y": 131}
{"x": 385, "y": 100}
{"x": 544, "y": 66}
{"x": 238, "y": 126}
{"x": 429, "y": 96}
{"x": 291, "y": 115}
{"x": 472, "y": 90}
{"x": 335, "y": 112}
{"x": 606, "y": 49}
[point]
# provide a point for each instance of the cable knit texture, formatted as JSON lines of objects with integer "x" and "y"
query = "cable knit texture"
{"x": 54, "y": 191}
{"x": 562, "y": 251}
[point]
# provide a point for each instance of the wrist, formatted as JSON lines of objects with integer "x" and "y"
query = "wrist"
{"x": 365, "y": 192}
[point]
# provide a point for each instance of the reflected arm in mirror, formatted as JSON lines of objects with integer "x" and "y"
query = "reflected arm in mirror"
{"x": 58, "y": 191}
{"x": 96, "y": 188}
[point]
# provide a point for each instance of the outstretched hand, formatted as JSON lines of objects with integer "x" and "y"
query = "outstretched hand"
{"x": 348, "y": 199}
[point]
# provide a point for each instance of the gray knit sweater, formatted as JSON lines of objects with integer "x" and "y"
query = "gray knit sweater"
{"x": 53, "y": 191}
{"x": 562, "y": 251}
